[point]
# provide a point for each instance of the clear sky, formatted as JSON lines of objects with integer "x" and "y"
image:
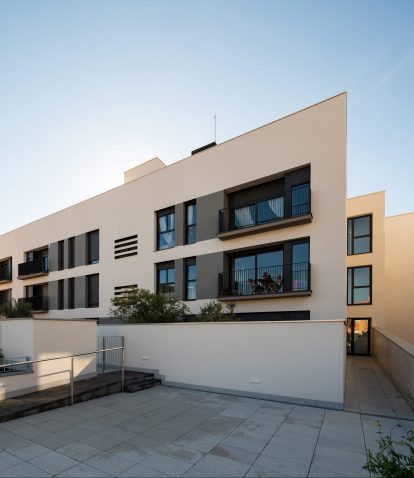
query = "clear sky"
{"x": 90, "y": 88}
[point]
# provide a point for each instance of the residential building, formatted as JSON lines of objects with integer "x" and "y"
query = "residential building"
{"x": 259, "y": 220}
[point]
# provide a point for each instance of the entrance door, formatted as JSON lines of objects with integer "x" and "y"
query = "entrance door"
{"x": 358, "y": 337}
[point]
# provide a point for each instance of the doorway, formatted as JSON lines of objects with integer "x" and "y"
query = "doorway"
{"x": 358, "y": 337}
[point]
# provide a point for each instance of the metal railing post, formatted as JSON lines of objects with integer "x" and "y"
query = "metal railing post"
{"x": 71, "y": 381}
{"x": 123, "y": 365}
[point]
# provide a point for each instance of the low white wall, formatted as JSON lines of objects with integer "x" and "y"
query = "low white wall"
{"x": 42, "y": 339}
{"x": 396, "y": 357}
{"x": 302, "y": 362}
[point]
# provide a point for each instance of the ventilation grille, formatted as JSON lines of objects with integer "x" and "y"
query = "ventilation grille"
{"x": 124, "y": 289}
{"x": 126, "y": 247}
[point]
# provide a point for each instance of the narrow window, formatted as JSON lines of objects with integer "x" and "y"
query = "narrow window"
{"x": 191, "y": 279}
{"x": 61, "y": 255}
{"x": 71, "y": 293}
{"x": 93, "y": 247}
{"x": 191, "y": 222}
{"x": 166, "y": 229}
{"x": 166, "y": 278}
{"x": 360, "y": 235}
{"x": 71, "y": 252}
{"x": 359, "y": 285}
{"x": 92, "y": 293}
{"x": 61, "y": 294}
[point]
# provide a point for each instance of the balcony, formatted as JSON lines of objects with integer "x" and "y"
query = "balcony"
{"x": 283, "y": 210}
{"x": 36, "y": 267}
{"x": 39, "y": 303}
{"x": 266, "y": 282}
{"x": 5, "y": 274}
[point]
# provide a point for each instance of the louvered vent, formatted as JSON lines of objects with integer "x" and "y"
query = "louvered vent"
{"x": 124, "y": 289}
{"x": 126, "y": 247}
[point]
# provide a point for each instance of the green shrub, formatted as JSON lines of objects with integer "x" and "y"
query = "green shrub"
{"x": 216, "y": 312}
{"x": 389, "y": 462}
{"x": 15, "y": 309}
{"x": 142, "y": 306}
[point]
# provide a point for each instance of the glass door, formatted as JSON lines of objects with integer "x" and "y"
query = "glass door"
{"x": 358, "y": 337}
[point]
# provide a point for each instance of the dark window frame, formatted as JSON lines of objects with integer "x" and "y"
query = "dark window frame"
{"x": 165, "y": 212}
{"x": 191, "y": 261}
{"x": 61, "y": 294}
{"x": 61, "y": 255}
{"x": 89, "y": 247}
{"x": 71, "y": 252}
{"x": 170, "y": 265}
{"x": 90, "y": 301}
{"x": 352, "y": 352}
{"x": 71, "y": 293}
{"x": 351, "y": 250}
{"x": 350, "y": 301}
{"x": 188, "y": 227}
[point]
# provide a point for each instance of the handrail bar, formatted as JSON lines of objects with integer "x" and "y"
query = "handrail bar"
{"x": 71, "y": 357}
{"x": 63, "y": 357}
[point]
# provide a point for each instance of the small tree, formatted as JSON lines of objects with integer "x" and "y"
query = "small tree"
{"x": 15, "y": 309}
{"x": 217, "y": 312}
{"x": 389, "y": 462}
{"x": 141, "y": 306}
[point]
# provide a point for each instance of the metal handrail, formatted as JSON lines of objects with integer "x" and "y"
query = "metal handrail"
{"x": 71, "y": 365}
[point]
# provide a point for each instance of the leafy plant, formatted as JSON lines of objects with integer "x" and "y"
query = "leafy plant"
{"x": 15, "y": 309}
{"x": 217, "y": 312}
{"x": 389, "y": 462}
{"x": 142, "y": 306}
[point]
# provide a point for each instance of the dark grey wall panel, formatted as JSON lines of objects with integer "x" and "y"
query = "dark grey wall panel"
{"x": 53, "y": 294}
{"x": 179, "y": 224}
{"x": 66, "y": 257}
{"x": 256, "y": 193}
{"x": 80, "y": 250}
{"x": 80, "y": 292}
{"x": 66, "y": 293}
{"x": 208, "y": 268}
{"x": 208, "y": 215}
{"x": 179, "y": 279}
{"x": 53, "y": 257}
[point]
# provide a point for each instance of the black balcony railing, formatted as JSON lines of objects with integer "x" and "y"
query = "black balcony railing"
{"x": 39, "y": 303}
{"x": 290, "y": 204}
{"x": 265, "y": 280}
{"x": 5, "y": 273}
{"x": 36, "y": 266}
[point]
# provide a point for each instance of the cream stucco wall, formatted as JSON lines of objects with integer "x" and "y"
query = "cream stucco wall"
{"x": 301, "y": 362}
{"x": 359, "y": 206}
{"x": 44, "y": 339}
{"x": 399, "y": 283}
{"x": 315, "y": 136}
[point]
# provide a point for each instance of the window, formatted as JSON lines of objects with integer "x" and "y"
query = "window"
{"x": 71, "y": 252}
{"x": 166, "y": 229}
{"x": 191, "y": 279}
{"x": 61, "y": 294}
{"x": 300, "y": 200}
{"x": 61, "y": 255}
{"x": 359, "y": 235}
{"x": 359, "y": 285}
{"x": 71, "y": 293}
{"x": 191, "y": 224}
{"x": 93, "y": 247}
{"x": 300, "y": 266}
{"x": 165, "y": 278}
{"x": 92, "y": 286}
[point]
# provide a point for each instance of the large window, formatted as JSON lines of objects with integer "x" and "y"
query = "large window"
{"x": 166, "y": 229}
{"x": 71, "y": 252}
{"x": 92, "y": 290}
{"x": 359, "y": 235}
{"x": 191, "y": 279}
{"x": 165, "y": 278}
{"x": 93, "y": 247}
{"x": 359, "y": 285}
{"x": 191, "y": 223}
{"x": 71, "y": 293}
{"x": 61, "y": 296}
{"x": 61, "y": 255}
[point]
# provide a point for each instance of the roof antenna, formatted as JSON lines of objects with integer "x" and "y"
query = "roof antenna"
{"x": 215, "y": 128}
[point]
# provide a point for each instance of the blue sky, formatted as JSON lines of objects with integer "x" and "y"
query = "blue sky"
{"x": 90, "y": 88}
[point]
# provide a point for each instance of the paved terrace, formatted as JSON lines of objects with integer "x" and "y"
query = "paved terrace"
{"x": 175, "y": 432}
